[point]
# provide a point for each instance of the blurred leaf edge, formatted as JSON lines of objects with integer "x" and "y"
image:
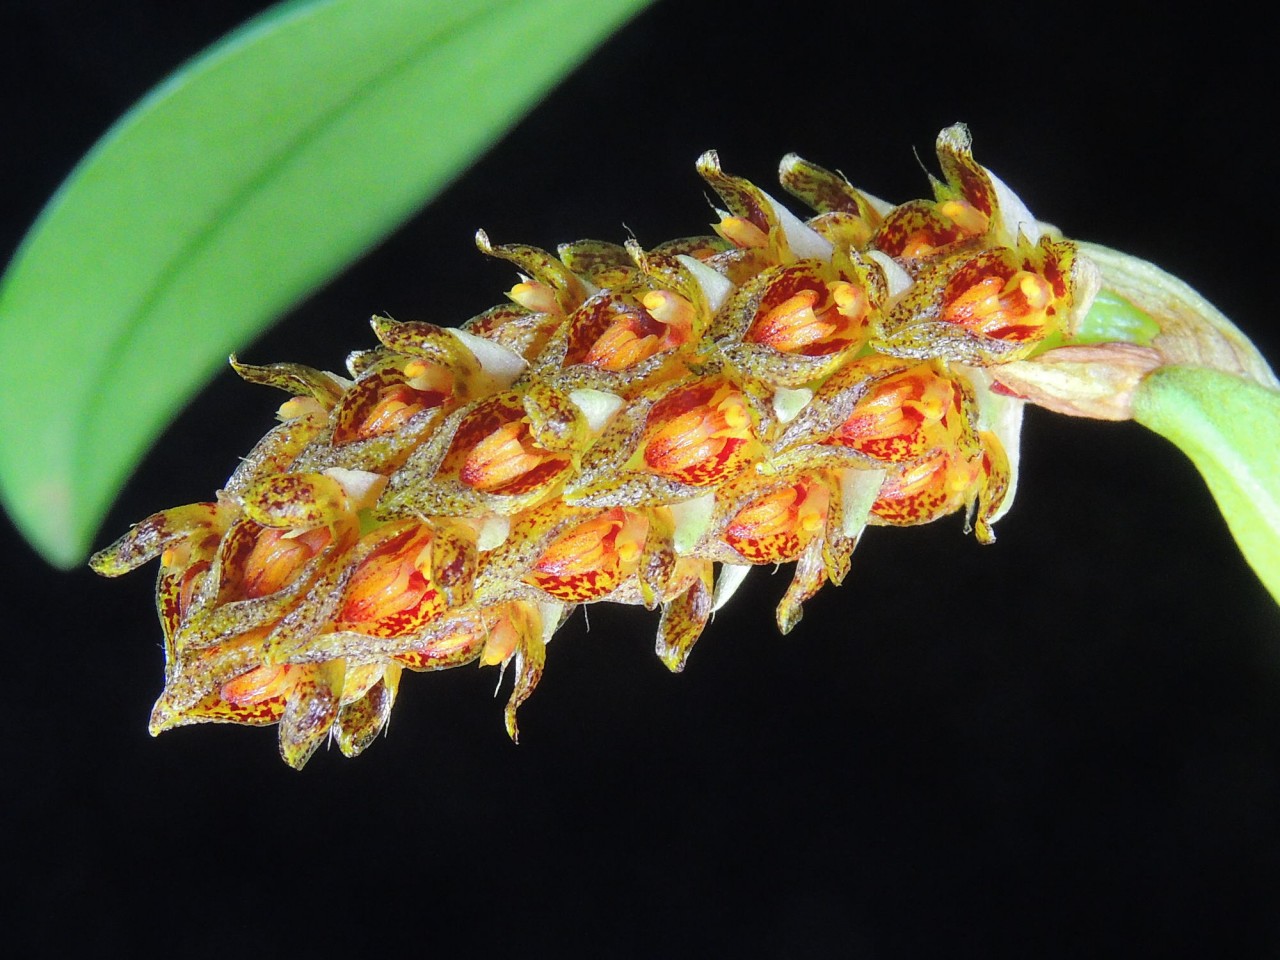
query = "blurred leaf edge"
{"x": 83, "y": 406}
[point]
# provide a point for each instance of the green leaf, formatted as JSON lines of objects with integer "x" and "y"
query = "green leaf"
{"x": 237, "y": 186}
{"x": 1230, "y": 428}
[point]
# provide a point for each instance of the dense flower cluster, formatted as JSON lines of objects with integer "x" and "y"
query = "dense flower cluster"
{"x": 629, "y": 420}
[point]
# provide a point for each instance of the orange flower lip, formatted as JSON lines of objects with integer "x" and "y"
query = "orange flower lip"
{"x": 901, "y": 416}
{"x": 699, "y": 435}
{"x": 1000, "y": 300}
{"x": 397, "y": 405}
{"x": 390, "y": 593}
{"x": 493, "y": 451}
{"x": 502, "y": 456}
{"x": 776, "y": 527}
{"x": 381, "y": 403}
{"x": 591, "y": 559}
{"x": 919, "y": 229}
{"x": 260, "y": 685}
{"x": 613, "y": 333}
{"x": 799, "y": 313}
{"x": 792, "y": 325}
{"x": 276, "y": 558}
{"x": 927, "y": 490}
{"x": 631, "y": 338}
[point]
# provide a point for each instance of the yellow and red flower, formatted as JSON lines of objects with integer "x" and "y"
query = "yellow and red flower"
{"x": 628, "y": 420}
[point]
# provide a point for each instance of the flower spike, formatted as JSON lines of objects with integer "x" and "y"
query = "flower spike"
{"x": 628, "y": 420}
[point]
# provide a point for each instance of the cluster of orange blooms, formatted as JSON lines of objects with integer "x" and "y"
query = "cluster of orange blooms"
{"x": 629, "y": 420}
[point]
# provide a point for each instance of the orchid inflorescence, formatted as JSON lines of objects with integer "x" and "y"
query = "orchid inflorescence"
{"x": 631, "y": 419}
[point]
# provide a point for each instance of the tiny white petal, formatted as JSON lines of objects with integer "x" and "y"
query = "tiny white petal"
{"x": 731, "y": 577}
{"x": 493, "y": 532}
{"x": 598, "y": 406}
{"x": 1001, "y": 415}
{"x": 858, "y": 492}
{"x": 803, "y": 240}
{"x": 503, "y": 365}
{"x": 1086, "y": 281}
{"x": 1014, "y": 215}
{"x": 692, "y": 519}
{"x": 787, "y": 403}
{"x": 716, "y": 287}
{"x": 550, "y": 613}
{"x": 362, "y": 487}
{"x": 898, "y": 279}
{"x": 882, "y": 207}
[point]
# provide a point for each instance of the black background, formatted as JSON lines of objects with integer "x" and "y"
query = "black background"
{"x": 1063, "y": 743}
